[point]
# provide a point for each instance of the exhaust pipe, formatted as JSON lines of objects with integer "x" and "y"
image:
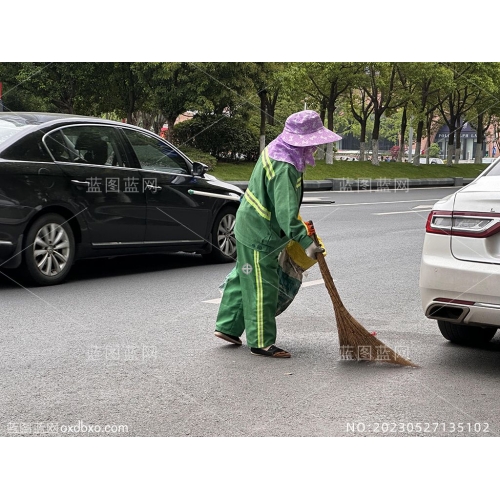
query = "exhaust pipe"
{"x": 453, "y": 314}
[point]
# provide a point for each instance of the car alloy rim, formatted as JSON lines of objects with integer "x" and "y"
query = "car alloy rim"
{"x": 225, "y": 235}
{"x": 51, "y": 249}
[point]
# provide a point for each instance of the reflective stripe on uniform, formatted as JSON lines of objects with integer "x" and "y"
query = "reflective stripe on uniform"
{"x": 299, "y": 182}
{"x": 260, "y": 209}
{"x": 259, "y": 299}
{"x": 267, "y": 165}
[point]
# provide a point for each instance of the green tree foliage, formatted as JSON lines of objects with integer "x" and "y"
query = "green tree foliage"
{"x": 170, "y": 88}
{"x": 224, "y": 137}
{"x": 62, "y": 87}
{"x": 257, "y": 97}
{"x": 434, "y": 150}
{"x": 15, "y": 96}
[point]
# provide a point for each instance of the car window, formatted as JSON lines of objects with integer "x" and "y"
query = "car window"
{"x": 87, "y": 144}
{"x": 154, "y": 154}
{"x": 60, "y": 147}
{"x": 494, "y": 170}
{"x": 29, "y": 148}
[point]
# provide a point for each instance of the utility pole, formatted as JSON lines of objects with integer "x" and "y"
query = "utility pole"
{"x": 1, "y": 103}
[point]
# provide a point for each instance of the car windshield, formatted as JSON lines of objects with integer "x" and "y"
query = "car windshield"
{"x": 495, "y": 170}
{"x": 11, "y": 126}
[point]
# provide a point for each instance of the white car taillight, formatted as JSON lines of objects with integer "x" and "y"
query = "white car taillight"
{"x": 471, "y": 224}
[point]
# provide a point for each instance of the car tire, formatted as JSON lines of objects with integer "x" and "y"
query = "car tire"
{"x": 49, "y": 250}
{"x": 466, "y": 334}
{"x": 223, "y": 238}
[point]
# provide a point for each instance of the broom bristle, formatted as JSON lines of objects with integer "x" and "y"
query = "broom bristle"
{"x": 356, "y": 342}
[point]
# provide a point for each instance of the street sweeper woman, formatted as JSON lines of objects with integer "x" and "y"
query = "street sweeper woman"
{"x": 266, "y": 221}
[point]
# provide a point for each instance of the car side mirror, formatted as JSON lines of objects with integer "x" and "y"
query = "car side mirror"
{"x": 199, "y": 169}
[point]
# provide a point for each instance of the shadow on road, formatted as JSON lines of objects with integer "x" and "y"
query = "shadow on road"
{"x": 462, "y": 359}
{"x": 117, "y": 266}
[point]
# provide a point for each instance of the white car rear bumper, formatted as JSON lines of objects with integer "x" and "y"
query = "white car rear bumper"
{"x": 442, "y": 276}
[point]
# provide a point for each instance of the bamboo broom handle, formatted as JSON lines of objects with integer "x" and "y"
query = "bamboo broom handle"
{"x": 327, "y": 277}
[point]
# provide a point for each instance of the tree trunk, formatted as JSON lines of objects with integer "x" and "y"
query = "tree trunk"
{"x": 170, "y": 131}
{"x": 416, "y": 158}
{"x": 375, "y": 152}
{"x": 158, "y": 123}
{"x": 329, "y": 114}
{"x": 458, "y": 145}
{"x": 401, "y": 150}
{"x": 375, "y": 136}
{"x": 131, "y": 107}
{"x": 329, "y": 153}
{"x": 478, "y": 148}
{"x": 362, "y": 151}
{"x": 451, "y": 143}
{"x": 362, "y": 142}
{"x": 262, "y": 136}
{"x": 404, "y": 123}
{"x": 450, "y": 152}
{"x": 271, "y": 107}
{"x": 418, "y": 142}
{"x": 478, "y": 158}
{"x": 322, "y": 111}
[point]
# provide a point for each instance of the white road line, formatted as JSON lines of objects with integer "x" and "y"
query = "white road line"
{"x": 405, "y": 212}
{"x": 390, "y": 190}
{"x": 304, "y": 285}
{"x": 213, "y": 301}
{"x": 312, "y": 205}
{"x": 381, "y": 202}
{"x": 312, "y": 283}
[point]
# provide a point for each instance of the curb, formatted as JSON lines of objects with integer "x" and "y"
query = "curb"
{"x": 345, "y": 184}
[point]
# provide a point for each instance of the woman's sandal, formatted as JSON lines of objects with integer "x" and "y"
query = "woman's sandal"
{"x": 228, "y": 338}
{"x": 272, "y": 352}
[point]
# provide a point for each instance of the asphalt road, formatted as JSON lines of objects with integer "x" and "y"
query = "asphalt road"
{"x": 126, "y": 346}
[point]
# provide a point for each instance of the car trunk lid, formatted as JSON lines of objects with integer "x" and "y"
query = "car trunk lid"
{"x": 475, "y": 236}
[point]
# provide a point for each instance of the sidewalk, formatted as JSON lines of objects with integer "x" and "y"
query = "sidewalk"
{"x": 367, "y": 184}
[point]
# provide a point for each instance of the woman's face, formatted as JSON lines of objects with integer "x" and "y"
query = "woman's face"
{"x": 309, "y": 152}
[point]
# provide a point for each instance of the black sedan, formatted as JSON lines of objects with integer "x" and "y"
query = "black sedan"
{"x": 74, "y": 187}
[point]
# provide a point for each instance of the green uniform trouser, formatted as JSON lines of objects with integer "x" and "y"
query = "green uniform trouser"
{"x": 250, "y": 297}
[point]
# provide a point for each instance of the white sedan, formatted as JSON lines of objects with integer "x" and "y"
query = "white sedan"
{"x": 460, "y": 267}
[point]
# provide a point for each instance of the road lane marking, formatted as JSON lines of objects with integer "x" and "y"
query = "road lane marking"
{"x": 382, "y": 202}
{"x": 316, "y": 200}
{"x": 390, "y": 190}
{"x": 213, "y": 301}
{"x": 312, "y": 283}
{"x": 405, "y": 212}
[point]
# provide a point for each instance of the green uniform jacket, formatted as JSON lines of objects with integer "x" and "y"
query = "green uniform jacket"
{"x": 268, "y": 215}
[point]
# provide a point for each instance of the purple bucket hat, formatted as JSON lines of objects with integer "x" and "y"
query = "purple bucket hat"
{"x": 305, "y": 128}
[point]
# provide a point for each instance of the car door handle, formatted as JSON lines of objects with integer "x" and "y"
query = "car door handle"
{"x": 153, "y": 188}
{"x": 80, "y": 183}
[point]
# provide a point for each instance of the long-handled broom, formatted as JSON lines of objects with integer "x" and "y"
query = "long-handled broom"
{"x": 355, "y": 341}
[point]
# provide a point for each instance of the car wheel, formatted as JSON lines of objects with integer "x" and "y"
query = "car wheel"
{"x": 223, "y": 239}
{"x": 466, "y": 334}
{"x": 49, "y": 250}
